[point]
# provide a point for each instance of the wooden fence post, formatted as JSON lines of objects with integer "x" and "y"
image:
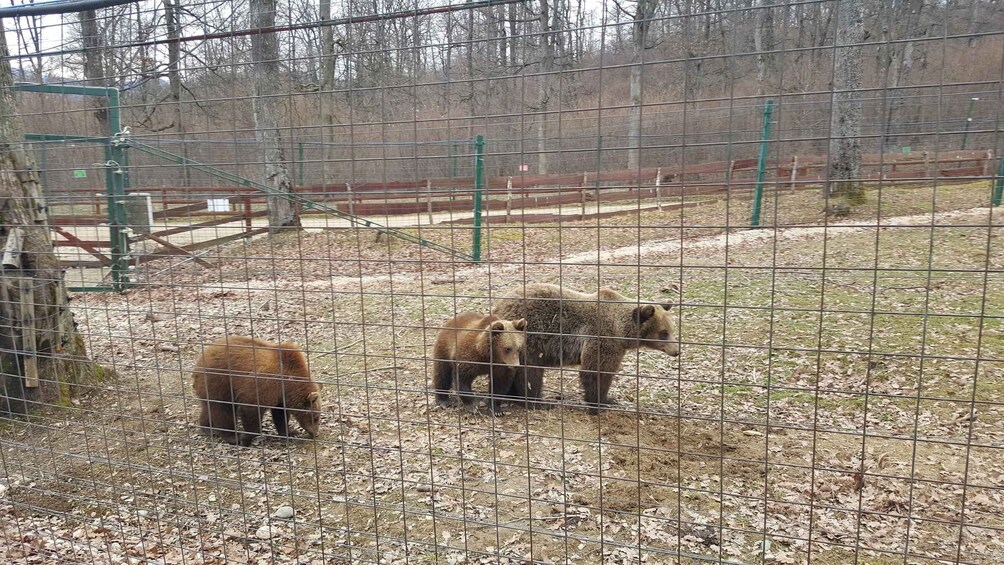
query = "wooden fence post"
{"x": 247, "y": 215}
{"x": 794, "y": 173}
{"x": 352, "y": 205}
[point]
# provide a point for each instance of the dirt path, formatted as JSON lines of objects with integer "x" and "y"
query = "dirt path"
{"x": 980, "y": 216}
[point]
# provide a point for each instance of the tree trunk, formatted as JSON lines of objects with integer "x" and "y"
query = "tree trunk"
{"x": 174, "y": 78}
{"x": 265, "y": 75}
{"x": 845, "y": 118}
{"x": 692, "y": 64}
{"x": 94, "y": 69}
{"x": 38, "y": 337}
{"x": 544, "y": 84}
{"x": 644, "y": 11}
{"x": 903, "y": 21}
{"x": 763, "y": 41}
{"x": 326, "y": 92}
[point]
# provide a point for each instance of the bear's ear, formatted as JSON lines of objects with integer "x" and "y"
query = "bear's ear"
{"x": 643, "y": 313}
{"x": 520, "y": 324}
{"x": 667, "y": 306}
{"x": 497, "y": 326}
{"x": 313, "y": 397}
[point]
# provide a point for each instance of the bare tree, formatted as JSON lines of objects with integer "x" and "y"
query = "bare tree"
{"x": 327, "y": 86}
{"x": 548, "y": 19}
{"x": 38, "y": 338}
{"x": 265, "y": 103}
{"x": 763, "y": 40}
{"x": 643, "y": 14}
{"x": 902, "y": 20}
{"x": 94, "y": 67}
{"x": 844, "y": 177}
{"x": 29, "y": 38}
{"x": 173, "y": 24}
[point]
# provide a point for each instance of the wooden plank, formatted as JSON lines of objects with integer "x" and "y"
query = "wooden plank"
{"x": 27, "y": 350}
{"x": 206, "y": 224}
{"x": 12, "y": 249}
{"x": 72, "y": 264}
{"x": 181, "y": 250}
{"x": 83, "y": 245}
{"x": 186, "y": 250}
{"x": 77, "y": 220}
{"x": 181, "y": 211}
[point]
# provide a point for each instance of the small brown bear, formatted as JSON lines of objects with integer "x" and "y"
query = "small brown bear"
{"x": 471, "y": 345}
{"x": 244, "y": 376}
{"x": 594, "y": 331}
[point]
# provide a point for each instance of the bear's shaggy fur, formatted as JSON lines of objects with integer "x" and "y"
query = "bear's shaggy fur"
{"x": 471, "y": 345}
{"x": 593, "y": 331}
{"x": 244, "y": 376}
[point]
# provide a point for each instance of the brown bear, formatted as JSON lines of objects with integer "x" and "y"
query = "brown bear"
{"x": 471, "y": 345}
{"x": 244, "y": 376}
{"x": 594, "y": 331}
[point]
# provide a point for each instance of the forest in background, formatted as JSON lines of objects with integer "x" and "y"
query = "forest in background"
{"x": 548, "y": 83}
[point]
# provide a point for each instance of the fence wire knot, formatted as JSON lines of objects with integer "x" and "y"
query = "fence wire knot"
{"x": 121, "y": 139}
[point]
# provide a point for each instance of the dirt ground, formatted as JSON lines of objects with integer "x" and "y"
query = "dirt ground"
{"x": 838, "y": 400}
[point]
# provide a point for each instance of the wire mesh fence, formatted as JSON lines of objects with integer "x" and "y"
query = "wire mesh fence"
{"x": 732, "y": 276}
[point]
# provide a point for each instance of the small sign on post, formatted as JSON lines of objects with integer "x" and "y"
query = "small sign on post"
{"x": 906, "y": 149}
{"x": 218, "y": 204}
{"x": 79, "y": 174}
{"x": 524, "y": 168}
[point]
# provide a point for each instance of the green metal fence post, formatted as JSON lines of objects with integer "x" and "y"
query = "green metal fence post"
{"x": 116, "y": 166}
{"x": 768, "y": 110}
{"x": 116, "y": 181}
{"x": 479, "y": 181}
{"x": 999, "y": 185}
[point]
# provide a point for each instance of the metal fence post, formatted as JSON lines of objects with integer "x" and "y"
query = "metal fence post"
{"x": 116, "y": 181}
{"x": 768, "y": 110}
{"x": 479, "y": 181}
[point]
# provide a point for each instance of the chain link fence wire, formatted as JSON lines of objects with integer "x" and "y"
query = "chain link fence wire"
{"x": 309, "y": 173}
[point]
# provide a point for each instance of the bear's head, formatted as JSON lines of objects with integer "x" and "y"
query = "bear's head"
{"x": 508, "y": 339}
{"x": 655, "y": 328}
{"x": 309, "y": 415}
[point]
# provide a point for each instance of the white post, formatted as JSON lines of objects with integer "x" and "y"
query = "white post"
{"x": 658, "y": 188}
{"x": 508, "y": 197}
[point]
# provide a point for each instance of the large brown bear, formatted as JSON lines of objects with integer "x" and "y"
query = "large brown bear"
{"x": 594, "y": 331}
{"x": 244, "y": 376}
{"x": 471, "y": 345}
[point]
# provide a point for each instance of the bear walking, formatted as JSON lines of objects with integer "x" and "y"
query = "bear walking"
{"x": 594, "y": 331}
{"x": 471, "y": 345}
{"x": 243, "y": 376}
